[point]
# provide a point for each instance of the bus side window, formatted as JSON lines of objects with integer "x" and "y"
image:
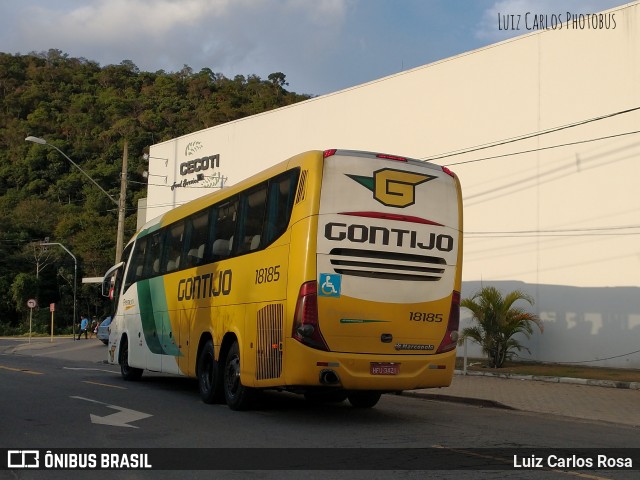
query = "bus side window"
{"x": 280, "y": 204}
{"x": 126, "y": 252}
{"x": 223, "y": 228}
{"x": 117, "y": 283}
{"x": 197, "y": 230}
{"x": 252, "y": 219}
{"x": 153, "y": 255}
{"x": 136, "y": 265}
{"x": 173, "y": 248}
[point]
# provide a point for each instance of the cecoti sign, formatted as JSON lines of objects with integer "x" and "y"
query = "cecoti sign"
{"x": 200, "y": 164}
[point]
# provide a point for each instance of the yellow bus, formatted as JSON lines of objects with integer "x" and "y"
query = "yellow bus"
{"x": 333, "y": 274}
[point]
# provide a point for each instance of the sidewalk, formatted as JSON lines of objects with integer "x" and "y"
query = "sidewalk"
{"x": 571, "y": 397}
{"x": 576, "y": 398}
{"x": 89, "y": 350}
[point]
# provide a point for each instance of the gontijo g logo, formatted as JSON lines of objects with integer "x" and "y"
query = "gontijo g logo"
{"x": 393, "y": 188}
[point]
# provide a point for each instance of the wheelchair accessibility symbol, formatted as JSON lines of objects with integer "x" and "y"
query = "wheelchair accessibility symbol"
{"x": 330, "y": 285}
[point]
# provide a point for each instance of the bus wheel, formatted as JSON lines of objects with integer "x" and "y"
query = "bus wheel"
{"x": 238, "y": 396}
{"x": 364, "y": 398}
{"x": 128, "y": 373}
{"x": 209, "y": 378}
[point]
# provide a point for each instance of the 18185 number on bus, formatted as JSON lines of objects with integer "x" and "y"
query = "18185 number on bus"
{"x": 268, "y": 274}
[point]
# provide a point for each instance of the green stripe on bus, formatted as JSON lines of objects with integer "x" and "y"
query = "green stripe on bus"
{"x": 154, "y": 315}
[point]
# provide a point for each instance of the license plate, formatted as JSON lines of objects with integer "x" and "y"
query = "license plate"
{"x": 384, "y": 368}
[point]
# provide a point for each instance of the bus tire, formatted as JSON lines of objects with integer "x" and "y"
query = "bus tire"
{"x": 128, "y": 373}
{"x": 209, "y": 377}
{"x": 364, "y": 398}
{"x": 238, "y": 396}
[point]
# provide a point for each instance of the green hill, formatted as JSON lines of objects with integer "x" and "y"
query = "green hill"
{"x": 88, "y": 111}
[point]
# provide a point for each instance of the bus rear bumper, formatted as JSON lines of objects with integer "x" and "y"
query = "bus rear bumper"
{"x": 368, "y": 371}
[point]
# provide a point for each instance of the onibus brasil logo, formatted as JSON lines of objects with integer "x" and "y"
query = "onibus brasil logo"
{"x": 393, "y": 188}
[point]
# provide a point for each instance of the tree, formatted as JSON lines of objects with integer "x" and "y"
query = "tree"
{"x": 497, "y": 322}
{"x": 24, "y": 287}
{"x": 41, "y": 257}
{"x": 86, "y": 111}
{"x": 278, "y": 79}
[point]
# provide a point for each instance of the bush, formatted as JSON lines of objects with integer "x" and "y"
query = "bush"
{"x": 497, "y": 321}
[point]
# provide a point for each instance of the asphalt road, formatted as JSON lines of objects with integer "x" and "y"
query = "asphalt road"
{"x": 53, "y": 403}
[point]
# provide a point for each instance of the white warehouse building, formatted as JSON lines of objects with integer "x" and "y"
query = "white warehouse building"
{"x": 543, "y": 131}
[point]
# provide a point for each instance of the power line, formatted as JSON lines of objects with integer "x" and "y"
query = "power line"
{"x": 540, "y": 149}
{"x": 561, "y": 231}
{"x": 538, "y": 235}
{"x": 527, "y": 136}
{"x": 554, "y": 174}
{"x": 597, "y": 359}
{"x": 556, "y": 267}
{"x": 159, "y": 205}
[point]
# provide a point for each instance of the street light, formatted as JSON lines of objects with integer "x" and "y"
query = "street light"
{"x": 120, "y": 204}
{"x": 75, "y": 279}
{"x": 42, "y": 141}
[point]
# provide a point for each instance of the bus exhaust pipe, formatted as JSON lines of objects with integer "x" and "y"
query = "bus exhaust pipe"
{"x": 329, "y": 377}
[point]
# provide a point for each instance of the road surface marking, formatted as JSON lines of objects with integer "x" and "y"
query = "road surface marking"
{"x": 105, "y": 385}
{"x": 21, "y": 370}
{"x": 122, "y": 418}
{"x": 91, "y": 369}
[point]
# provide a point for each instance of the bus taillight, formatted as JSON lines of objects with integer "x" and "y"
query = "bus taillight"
{"x": 448, "y": 172}
{"x": 391, "y": 157}
{"x": 329, "y": 153}
{"x": 451, "y": 336}
{"x": 306, "y": 328}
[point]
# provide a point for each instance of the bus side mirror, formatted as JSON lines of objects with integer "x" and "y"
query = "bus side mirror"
{"x": 107, "y": 288}
{"x": 108, "y": 281}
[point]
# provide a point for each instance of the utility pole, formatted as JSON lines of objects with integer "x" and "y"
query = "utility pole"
{"x": 122, "y": 203}
{"x": 46, "y": 243}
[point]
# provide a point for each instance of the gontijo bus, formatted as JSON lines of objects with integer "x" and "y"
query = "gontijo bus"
{"x": 335, "y": 274}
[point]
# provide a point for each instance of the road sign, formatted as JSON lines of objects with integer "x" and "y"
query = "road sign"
{"x": 31, "y": 303}
{"x": 52, "y": 307}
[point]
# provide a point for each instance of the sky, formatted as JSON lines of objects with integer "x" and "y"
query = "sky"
{"x": 322, "y": 46}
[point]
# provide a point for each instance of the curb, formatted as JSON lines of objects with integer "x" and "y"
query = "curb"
{"x": 41, "y": 345}
{"x": 570, "y": 380}
{"x": 25, "y": 348}
{"x": 478, "y": 402}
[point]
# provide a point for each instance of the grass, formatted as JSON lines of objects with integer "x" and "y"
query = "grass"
{"x": 553, "y": 370}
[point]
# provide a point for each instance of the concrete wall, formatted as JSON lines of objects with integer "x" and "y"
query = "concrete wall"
{"x": 554, "y": 218}
{"x": 591, "y": 326}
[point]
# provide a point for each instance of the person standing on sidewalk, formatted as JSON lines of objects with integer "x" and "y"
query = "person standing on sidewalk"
{"x": 93, "y": 328}
{"x": 84, "y": 324}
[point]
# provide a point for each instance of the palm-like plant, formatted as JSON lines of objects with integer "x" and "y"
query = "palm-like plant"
{"x": 497, "y": 322}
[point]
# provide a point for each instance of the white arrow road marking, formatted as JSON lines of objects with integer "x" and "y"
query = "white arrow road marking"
{"x": 121, "y": 418}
